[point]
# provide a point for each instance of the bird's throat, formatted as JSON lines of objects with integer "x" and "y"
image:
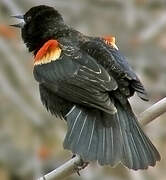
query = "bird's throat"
{"x": 50, "y": 51}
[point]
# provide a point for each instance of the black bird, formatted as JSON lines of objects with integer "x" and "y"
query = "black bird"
{"x": 86, "y": 81}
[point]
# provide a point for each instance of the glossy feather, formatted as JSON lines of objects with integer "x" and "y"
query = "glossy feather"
{"x": 88, "y": 82}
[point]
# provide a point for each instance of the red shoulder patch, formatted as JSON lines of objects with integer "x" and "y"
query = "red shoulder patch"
{"x": 110, "y": 40}
{"x": 50, "y": 51}
{"x": 48, "y": 46}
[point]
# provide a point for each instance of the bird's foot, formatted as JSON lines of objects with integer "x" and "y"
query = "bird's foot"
{"x": 80, "y": 166}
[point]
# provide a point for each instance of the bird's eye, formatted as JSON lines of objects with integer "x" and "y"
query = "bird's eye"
{"x": 28, "y": 18}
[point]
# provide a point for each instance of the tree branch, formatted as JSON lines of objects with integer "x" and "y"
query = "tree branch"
{"x": 72, "y": 165}
{"x": 64, "y": 170}
{"x": 153, "y": 112}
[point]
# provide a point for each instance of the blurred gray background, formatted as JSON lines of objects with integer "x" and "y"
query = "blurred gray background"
{"x": 30, "y": 138}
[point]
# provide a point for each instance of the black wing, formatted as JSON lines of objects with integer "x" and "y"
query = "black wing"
{"x": 78, "y": 79}
{"x": 117, "y": 66}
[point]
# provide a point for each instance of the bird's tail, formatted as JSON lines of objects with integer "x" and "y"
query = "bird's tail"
{"x": 138, "y": 151}
{"x": 121, "y": 140}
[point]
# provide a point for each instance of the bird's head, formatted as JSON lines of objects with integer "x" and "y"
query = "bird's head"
{"x": 40, "y": 24}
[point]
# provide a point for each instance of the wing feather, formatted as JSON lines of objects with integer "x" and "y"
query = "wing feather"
{"x": 80, "y": 80}
{"x": 117, "y": 66}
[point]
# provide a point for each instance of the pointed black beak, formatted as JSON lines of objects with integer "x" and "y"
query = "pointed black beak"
{"x": 19, "y": 25}
{"x": 18, "y": 17}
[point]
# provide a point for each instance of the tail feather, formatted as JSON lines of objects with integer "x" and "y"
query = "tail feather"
{"x": 138, "y": 151}
{"x": 81, "y": 137}
{"x": 152, "y": 153}
{"x": 88, "y": 137}
{"x": 91, "y": 151}
{"x": 94, "y": 138}
{"x": 101, "y": 146}
{"x": 113, "y": 142}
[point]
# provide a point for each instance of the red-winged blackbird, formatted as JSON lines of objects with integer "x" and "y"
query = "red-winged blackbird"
{"x": 87, "y": 81}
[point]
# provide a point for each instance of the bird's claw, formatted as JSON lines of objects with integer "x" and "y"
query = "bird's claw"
{"x": 80, "y": 166}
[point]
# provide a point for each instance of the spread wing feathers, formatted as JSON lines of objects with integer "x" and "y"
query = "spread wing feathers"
{"x": 138, "y": 151}
{"x": 81, "y": 81}
{"x": 88, "y": 137}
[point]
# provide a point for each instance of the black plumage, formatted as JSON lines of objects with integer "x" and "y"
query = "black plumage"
{"x": 88, "y": 85}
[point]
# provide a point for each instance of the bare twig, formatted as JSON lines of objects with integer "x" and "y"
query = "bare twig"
{"x": 65, "y": 170}
{"x": 71, "y": 166}
{"x": 153, "y": 112}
